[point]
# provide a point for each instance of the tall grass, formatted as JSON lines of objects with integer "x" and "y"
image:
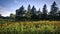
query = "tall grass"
{"x": 30, "y": 27}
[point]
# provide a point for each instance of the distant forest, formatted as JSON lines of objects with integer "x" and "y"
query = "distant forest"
{"x": 33, "y": 14}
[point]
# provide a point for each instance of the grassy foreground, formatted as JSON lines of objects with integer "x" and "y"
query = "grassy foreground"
{"x": 30, "y": 27}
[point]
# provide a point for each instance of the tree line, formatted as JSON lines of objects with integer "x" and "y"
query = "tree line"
{"x": 33, "y": 14}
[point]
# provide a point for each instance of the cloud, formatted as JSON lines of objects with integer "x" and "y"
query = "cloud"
{"x": 16, "y": 1}
{"x": 4, "y": 11}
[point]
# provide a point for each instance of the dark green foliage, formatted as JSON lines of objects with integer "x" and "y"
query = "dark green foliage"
{"x": 44, "y": 14}
{"x": 33, "y": 14}
{"x": 28, "y": 12}
{"x": 12, "y": 16}
{"x": 20, "y": 13}
{"x": 53, "y": 10}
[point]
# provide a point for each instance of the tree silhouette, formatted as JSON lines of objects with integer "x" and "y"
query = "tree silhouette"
{"x": 44, "y": 14}
{"x": 29, "y": 12}
{"x": 33, "y": 13}
{"x": 20, "y": 13}
{"x": 54, "y": 9}
{"x": 38, "y": 14}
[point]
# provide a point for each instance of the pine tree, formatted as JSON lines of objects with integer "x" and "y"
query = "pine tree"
{"x": 33, "y": 10}
{"x": 29, "y": 12}
{"x": 33, "y": 13}
{"x": 54, "y": 8}
{"x": 21, "y": 10}
{"x": 44, "y": 11}
{"x": 38, "y": 14}
{"x": 20, "y": 13}
{"x": 53, "y": 11}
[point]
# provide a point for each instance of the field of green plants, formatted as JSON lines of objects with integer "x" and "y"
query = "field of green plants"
{"x": 30, "y": 27}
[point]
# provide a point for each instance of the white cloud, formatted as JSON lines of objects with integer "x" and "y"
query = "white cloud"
{"x": 4, "y": 11}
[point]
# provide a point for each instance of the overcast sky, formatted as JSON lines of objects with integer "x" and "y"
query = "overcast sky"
{"x": 9, "y": 6}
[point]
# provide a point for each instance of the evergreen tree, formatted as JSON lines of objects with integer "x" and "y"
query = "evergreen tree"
{"x": 54, "y": 8}
{"x": 29, "y": 12}
{"x": 33, "y": 10}
{"x": 33, "y": 13}
{"x": 53, "y": 11}
{"x": 44, "y": 11}
{"x": 38, "y": 14}
{"x": 20, "y": 13}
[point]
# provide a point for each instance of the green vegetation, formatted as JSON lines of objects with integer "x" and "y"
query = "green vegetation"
{"x": 31, "y": 21}
{"x": 30, "y": 27}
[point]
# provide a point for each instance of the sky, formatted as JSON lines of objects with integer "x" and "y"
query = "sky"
{"x": 10, "y": 6}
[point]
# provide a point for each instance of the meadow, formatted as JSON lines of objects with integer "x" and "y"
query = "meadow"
{"x": 30, "y": 27}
